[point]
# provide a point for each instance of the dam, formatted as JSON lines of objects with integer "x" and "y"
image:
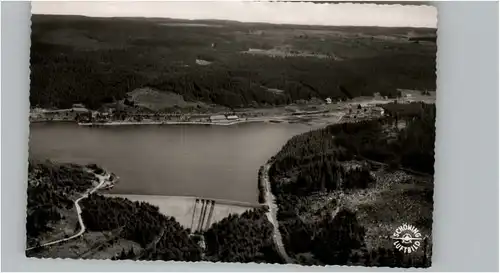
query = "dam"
{"x": 195, "y": 213}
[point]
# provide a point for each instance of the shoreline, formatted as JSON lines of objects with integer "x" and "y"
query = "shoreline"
{"x": 281, "y": 114}
{"x": 290, "y": 119}
{"x": 127, "y": 123}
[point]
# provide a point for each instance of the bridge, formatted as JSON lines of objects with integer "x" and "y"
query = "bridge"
{"x": 195, "y": 213}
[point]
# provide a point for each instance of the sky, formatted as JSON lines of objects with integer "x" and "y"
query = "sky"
{"x": 303, "y": 13}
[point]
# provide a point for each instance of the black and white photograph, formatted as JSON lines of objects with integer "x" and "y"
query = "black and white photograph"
{"x": 232, "y": 132}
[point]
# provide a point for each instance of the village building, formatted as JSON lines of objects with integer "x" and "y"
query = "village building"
{"x": 378, "y": 110}
{"x": 79, "y": 108}
{"x": 328, "y": 100}
{"x": 232, "y": 117}
{"x": 78, "y": 105}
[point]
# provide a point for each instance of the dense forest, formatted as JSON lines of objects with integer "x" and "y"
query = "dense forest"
{"x": 371, "y": 139}
{"x": 50, "y": 188}
{"x": 242, "y": 238}
{"x": 142, "y": 223}
{"x": 329, "y": 160}
{"x": 95, "y": 61}
{"x": 338, "y": 159}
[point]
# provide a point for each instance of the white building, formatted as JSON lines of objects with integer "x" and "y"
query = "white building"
{"x": 79, "y": 108}
{"x": 378, "y": 110}
{"x": 328, "y": 100}
{"x": 232, "y": 117}
{"x": 218, "y": 118}
{"x": 202, "y": 62}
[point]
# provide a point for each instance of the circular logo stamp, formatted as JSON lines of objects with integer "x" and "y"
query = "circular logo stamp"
{"x": 407, "y": 238}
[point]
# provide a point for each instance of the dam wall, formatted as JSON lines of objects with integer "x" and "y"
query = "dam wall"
{"x": 195, "y": 213}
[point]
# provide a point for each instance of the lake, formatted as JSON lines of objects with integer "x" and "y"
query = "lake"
{"x": 219, "y": 162}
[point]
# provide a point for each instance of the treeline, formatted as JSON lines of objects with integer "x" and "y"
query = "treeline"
{"x": 97, "y": 61}
{"x": 242, "y": 238}
{"x": 142, "y": 223}
{"x": 50, "y": 188}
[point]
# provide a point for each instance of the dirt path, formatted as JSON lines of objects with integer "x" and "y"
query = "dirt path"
{"x": 102, "y": 179}
{"x": 272, "y": 215}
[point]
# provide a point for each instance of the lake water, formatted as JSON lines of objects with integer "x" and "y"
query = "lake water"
{"x": 207, "y": 161}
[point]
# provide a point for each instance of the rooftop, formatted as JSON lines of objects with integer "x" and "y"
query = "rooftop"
{"x": 218, "y": 117}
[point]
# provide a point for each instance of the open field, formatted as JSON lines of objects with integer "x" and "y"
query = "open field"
{"x": 157, "y": 101}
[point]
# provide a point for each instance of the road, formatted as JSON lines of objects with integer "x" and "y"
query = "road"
{"x": 102, "y": 180}
{"x": 272, "y": 215}
{"x": 273, "y": 210}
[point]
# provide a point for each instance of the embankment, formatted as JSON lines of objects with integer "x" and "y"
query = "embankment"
{"x": 125, "y": 123}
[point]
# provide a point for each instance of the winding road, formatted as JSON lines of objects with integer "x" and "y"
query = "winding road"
{"x": 102, "y": 180}
{"x": 272, "y": 215}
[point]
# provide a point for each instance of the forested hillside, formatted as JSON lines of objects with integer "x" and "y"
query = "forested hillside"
{"x": 98, "y": 60}
{"x": 142, "y": 223}
{"x": 117, "y": 228}
{"x": 51, "y": 189}
{"x": 242, "y": 238}
{"x": 341, "y": 189}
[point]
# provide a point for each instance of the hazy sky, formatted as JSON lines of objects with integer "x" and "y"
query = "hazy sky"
{"x": 270, "y": 12}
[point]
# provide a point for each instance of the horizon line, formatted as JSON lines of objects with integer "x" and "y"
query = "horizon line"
{"x": 227, "y": 20}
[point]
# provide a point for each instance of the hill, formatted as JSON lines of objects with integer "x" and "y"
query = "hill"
{"x": 344, "y": 189}
{"x": 118, "y": 228}
{"x": 76, "y": 59}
